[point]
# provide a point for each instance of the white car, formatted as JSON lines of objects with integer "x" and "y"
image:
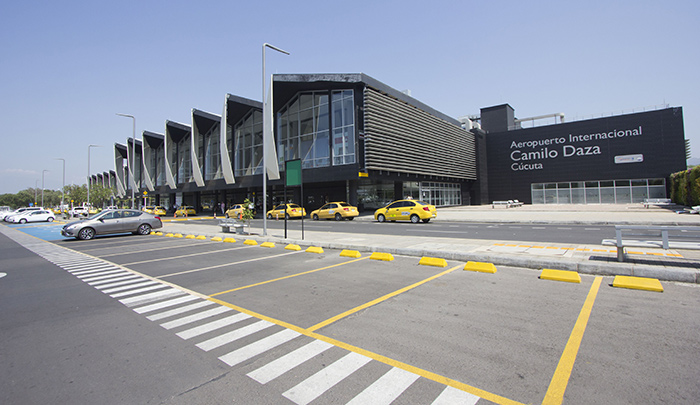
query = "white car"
{"x": 33, "y": 216}
{"x": 6, "y": 217}
{"x": 79, "y": 211}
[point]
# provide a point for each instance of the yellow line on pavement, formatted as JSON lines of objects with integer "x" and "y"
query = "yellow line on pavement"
{"x": 560, "y": 379}
{"x": 289, "y": 276}
{"x": 378, "y": 357}
{"x": 378, "y": 300}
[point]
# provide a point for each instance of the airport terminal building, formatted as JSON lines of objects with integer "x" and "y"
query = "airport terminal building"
{"x": 366, "y": 143}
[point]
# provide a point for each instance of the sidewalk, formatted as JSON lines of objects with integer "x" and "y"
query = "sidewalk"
{"x": 670, "y": 265}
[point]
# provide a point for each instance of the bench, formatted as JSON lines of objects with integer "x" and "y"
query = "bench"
{"x": 508, "y": 204}
{"x": 659, "y": 237}
{"x": 237, "y": 225}
{"x": 656, "y": 201}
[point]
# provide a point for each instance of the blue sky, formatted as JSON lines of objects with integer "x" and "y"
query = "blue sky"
{"x": 68, "y": 67}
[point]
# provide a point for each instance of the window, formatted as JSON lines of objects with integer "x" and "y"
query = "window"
{"x": 596, "y": 192}
{"x": 247, "y": 139}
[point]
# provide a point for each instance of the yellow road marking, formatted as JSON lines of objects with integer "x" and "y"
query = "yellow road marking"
{"x": 377, "y": 301}
{"x": 560, "y": 379}
{"x": 286, "y": 277}
{"x": 378, "y": 357}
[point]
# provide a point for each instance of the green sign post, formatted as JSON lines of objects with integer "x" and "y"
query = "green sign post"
{"x": 292, "y": 179}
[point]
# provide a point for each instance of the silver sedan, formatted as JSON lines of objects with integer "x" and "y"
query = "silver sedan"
{"x": 111, "y": 222}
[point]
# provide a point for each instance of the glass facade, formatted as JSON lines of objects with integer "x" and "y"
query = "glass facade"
{"x": 184, "y": 161}
{"x": 379, "y": 194}
{"x": 248, "y": 139}
{"x": 304, "y": 128}
{"x": 598, "y": 192}
{"x": 210, "y": 165}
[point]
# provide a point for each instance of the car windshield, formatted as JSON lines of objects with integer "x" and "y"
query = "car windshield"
{"x": 345, "y": 205}
{"x": 422, "y": 202}
{"x": 293, "y": 206}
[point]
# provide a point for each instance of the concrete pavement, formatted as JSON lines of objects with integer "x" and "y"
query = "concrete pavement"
{"x": 669, "y": 265}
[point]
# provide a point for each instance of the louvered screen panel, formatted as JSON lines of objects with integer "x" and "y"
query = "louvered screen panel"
{"x": 402, "y": 138}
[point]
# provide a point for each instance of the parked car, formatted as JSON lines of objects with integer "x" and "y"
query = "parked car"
{"x": 335, "y": 210}
{"x": 185, "y": 210}
{"x": 79, "y": 211}
{"x": 112, "y": 222}
{"x": 406, "y": 210}
{"x": 159, "y": 210}
{"x": 235, "y": 211}
{"x": 286, "y": 211}
{"x": 33, "y": 216}
{"x": 6, "y": 217}
{"x": 149, "y": 209}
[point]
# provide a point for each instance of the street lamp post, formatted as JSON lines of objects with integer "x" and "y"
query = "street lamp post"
{"x": 264, "y": 164}
{"x": 36, "y": 187}
{"x": 88, "y": 174}
{"x": 42, "y": 187}
{"x": 63, "y": 189}
{"x": 133, "y": 156}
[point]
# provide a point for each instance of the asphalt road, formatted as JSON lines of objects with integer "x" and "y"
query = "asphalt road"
{"x": 575, "y": 234}
{"x": 151, "y": 319}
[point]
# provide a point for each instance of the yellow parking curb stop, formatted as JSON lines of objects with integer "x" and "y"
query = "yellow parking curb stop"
{"x": 560, "y": 275}
{"x": 229, "y": 240}
{"x": 177, "y": 235}
{"x": 387, "y": 257}
{"x": 481, "y": 267}
{"x": 638, "y": 283}
{"x": 267, "y": 244}
{"x": 216, "y": 239}
{"x": 250, "y": 242}
{"x": 169, "y": 235}
{"x": 314, "y": 249}
{"x": 201, "y": 237}
{"x": 292, "y": 246}
{"x": 433, "y": 261}
{"x": 189, "y": 237}
{"x": 350, "y": 253}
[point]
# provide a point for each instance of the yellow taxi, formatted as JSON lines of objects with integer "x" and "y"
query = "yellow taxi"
{"x": 93, "y": 210}
{"x": 185, "y": 210}
{"x": 286, "y": 211}
{"x": 159, "y": 210}
{"x": 235, "y": 211}
{"x": 406, "y": 210}
{"x": 149, "y": 209}
{"x": 335, "y": 210}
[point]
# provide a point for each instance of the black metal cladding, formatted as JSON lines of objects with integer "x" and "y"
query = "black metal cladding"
{"x": 405, "y": 139}
{"x": 633, "y": 146}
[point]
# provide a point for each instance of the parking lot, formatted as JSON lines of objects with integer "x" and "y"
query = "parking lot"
{"x": 431, "y": 333}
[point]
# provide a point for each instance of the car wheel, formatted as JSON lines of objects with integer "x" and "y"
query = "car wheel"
{"x": 286, "y": 216}
{"x": 426, "y": 220}
{"x": 50, "y": 219}
{"x": 144, "y": 229}
{"x": 227, "y": 215}
{"x": 415, "y": 218}
{"x": 86, "y": 234}
{"x": 381, "y": 218}
{"x": 269, "y": 216}
{"x": 315, "y": 217}
{"x": 338, "y": 217}
{"x": 22, "y": 221}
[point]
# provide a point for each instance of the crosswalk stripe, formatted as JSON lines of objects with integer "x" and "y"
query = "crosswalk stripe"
{"x": 180, "y": 310}
{"x": 196, "y": 317}
{"x": 211, "y": 326}
{"x": 386, "y": 389}
{"x": 87, "y": 277}
{"x": 115, "y": 284}
{"x": 164, "y": 304}
{"x": 138, "y": 291}
{"x": 122, "y": 273}
{"x": 94, "y": 268}
{"x": 111, "y": 280}
{"x": 142, "y": 299}
{"x": 322, "y": 381}
{"x": 258, "y": 347}
{"x": 129, "y": 287}
{"x": 277, "y": 367}
{"x": 229, "y": 337}
{"x": 452, "y": 395}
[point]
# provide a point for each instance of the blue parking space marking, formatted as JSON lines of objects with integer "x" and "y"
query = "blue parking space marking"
{"x": 42, "y": 231}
